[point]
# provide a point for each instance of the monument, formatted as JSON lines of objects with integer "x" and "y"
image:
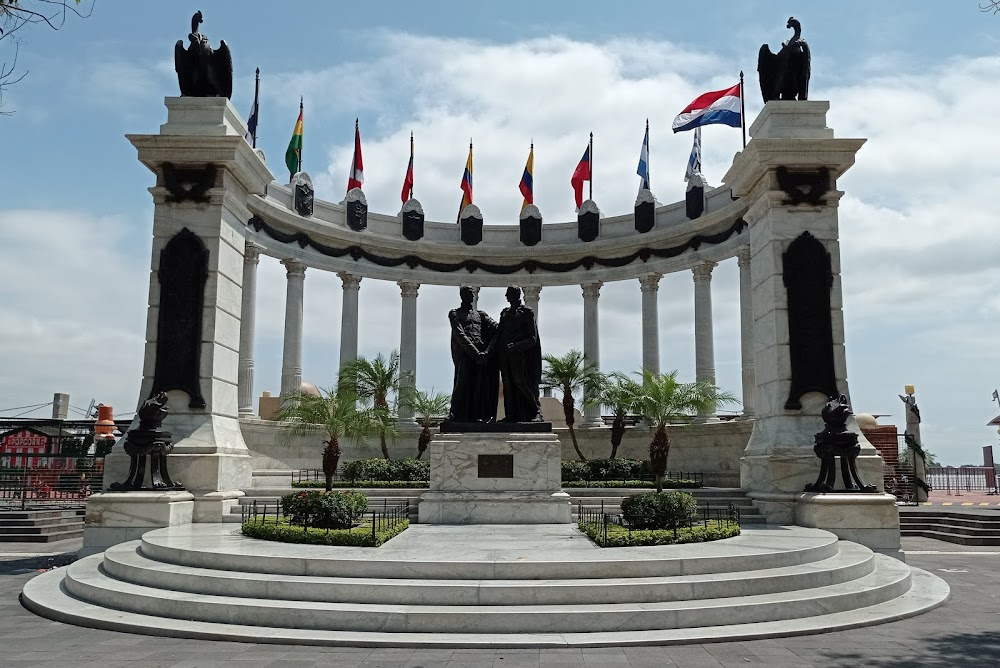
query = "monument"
{"x": 484, "y": 471}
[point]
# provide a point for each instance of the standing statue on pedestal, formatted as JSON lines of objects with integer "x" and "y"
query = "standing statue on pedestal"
{"x": 915, "y": 445}
{"x": 519, "y": 357}
{"x": 202, "y": 71}
{"x": 474, "y": 392}
{"x": 785, "y": 75}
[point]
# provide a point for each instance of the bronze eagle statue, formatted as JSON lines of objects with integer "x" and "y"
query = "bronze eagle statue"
{"x": 785, "y": 75}
{"x": 202, "y": 71}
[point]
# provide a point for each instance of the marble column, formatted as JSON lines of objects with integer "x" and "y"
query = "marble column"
{"x": 532, "y": 295}
{"x": 291, "y": 356}
{"x": 407, "y": 344}
{"x": 349, "y": 318}
{"x": 475, "y": 298}
{"x": 248, "y": 317}
{"x": 704, "y": 344}
{"x": 591, "y": 342}
{"x": 650, "y": 286}
{"x": 746, "y": 332}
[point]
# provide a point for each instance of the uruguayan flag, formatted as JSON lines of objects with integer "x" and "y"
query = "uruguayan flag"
{"x": 643, "y": 169}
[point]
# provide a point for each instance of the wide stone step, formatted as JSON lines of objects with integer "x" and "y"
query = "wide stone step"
{"x": 950, "y": 527}
{"x": 53, "y": 526}
{"x": 43, "y": 537}
{"x": 86, "y": 581}
{"x": 950, "y": 537}
{"x": 127, "y": 563}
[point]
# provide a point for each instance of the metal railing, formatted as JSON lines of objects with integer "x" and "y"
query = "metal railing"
{"x": 694, "y": 476}
{"x": 950, "y": 480}
{"x": 704, "y": 516}
{"x": 372, "y": 520}
{"x": 29, "y": 481}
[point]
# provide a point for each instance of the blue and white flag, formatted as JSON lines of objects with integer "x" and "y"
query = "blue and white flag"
{"x": 693, "y": 172}
{"x": 643, "y": 169}
{"x": 251, "y": 135}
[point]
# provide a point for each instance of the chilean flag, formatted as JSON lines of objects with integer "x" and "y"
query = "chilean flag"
{"x": 720, "y": 106}
{"x": 357, "y": 176}
{"x": 581, "y": 174}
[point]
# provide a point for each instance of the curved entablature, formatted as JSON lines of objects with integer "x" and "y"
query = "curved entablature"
{"x": 325, "y": 241}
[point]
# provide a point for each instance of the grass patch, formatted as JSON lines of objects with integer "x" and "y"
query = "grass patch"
{"x": 632, "y": 484}
{"x": 363, "y": 484}
{"x": 619, "y": 536}
{"x": 283, "y": 532}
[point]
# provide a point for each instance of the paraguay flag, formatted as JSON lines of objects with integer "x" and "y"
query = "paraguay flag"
{"x": 581, "y": 174}
{"x": 357, "y": 175}
{"x": 527, "y": 184}
{"x": 721, "y": 106}
{"x": 466, "y": 185}
{"x": 643, "y": 169}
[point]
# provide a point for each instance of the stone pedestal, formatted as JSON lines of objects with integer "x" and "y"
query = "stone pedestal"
{"x": 495, "y": 479}
{"x": 117, "y": 517}
{"x": 869, "y": 519}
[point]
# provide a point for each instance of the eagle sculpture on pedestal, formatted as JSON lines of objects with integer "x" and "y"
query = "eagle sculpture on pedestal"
{"x": 202, "y": 71}
{"x": 785, "y": 75}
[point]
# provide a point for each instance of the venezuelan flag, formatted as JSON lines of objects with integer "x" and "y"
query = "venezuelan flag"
{"x": 466, "y": 185}
{"x": 293, "y": 154}
{"x": 527, "y": 185}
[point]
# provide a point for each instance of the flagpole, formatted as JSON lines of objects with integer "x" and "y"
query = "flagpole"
{"x": 649, "y": 179}
{"x": 591, "y": 184}
{"x": 300, "y": 148}
{"x": 411, "y": 163}
{"x": 256, "y": 107}
{"x": 743, "y": 112}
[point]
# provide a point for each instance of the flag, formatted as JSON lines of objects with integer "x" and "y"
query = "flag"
{"x": 643, "y": 169}
{"x": 693, "y": 172}
{"x": 466, "y": 185}
{"x": 527, "y": 185}
{"x": 407, "y": 192}
{"x": 996, "y": 396}
{"x": 293, "y": 154}
{"x": 721, "y": 106}
{"x": 251, "y": 135}
{"x": 581, "y": 174}
{"x": 357, "y": 175}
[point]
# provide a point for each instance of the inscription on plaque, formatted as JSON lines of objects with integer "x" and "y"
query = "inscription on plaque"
{"x": 496, "y": 466}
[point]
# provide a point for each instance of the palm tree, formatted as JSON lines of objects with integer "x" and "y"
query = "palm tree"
{"x": 571, "y": 374}
{"x": 426, "y": 406}
{"x": 338, "y": 412}
{"x": 617, "y": 394}
{"x": 660, "y": 400}
{"x": 378, "y": 380}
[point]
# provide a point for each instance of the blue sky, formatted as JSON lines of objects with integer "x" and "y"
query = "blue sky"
{"x": 918, "y": 79}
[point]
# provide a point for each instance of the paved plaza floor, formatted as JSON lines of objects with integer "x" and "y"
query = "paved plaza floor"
{"x": 963, "y": 632}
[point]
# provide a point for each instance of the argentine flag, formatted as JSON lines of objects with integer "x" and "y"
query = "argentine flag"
{"x": 643, "y": 169}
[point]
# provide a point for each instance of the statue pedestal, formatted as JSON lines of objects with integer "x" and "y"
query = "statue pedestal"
{"x": 117, "y": 517}
{"x": 495, "y": 479}
{"x": 869, "y": 519}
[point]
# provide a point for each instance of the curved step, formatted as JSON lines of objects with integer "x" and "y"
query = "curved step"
{"x": 212, "y": 547}
{"x": 127, "y": 563}
{"x": 87, "y": 581}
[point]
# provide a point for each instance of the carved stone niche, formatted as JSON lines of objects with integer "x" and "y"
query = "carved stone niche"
{"x": 412, "y": 220}
{"x": 588, "y": 221}
{"x": 188, "y": 184}
{"x": 531, "y": 225}
{"x": 808, "y": 278}
{"x": 182, "y": 275}
{"x": 804, "y": 187}
{"x": 472, "y": 225}
{"x": 645, "y": 211}
{"x": 357, "y": 210}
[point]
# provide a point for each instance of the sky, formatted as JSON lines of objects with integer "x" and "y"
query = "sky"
{"x": 918, "y": 244}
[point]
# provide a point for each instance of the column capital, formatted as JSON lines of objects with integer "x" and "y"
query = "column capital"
{"x": 703, "y": 271}
{"x": 294, "y": 268}
{"x": 350, "y": 281}
{"x": 531, "y": 292}
{"x": 592, "y": 290}
{"x": 251, "y": 252}
{"x": 408, "y": 289}
{"x": 650, "y": 282}
{"x": 743, "y": 256}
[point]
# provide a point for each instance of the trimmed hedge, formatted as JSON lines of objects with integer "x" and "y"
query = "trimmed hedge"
{"x": 619, "y": 536}
{"x": 324, "y": 510}
{"x": 372, "y": 484}
{"x": 606, "y": 469}
{"x": 283, "y": 532}
{"x": 631, "y": 484}
{"x": 659, "y": 510}
{"x": 410, "y": 470}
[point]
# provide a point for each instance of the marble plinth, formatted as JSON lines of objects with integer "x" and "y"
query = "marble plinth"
{"x": 117, "y": 517}
{"x": 869, "y": 519}
{"x": 487, "y": 478}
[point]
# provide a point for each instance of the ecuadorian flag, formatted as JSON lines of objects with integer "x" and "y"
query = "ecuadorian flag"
{"x": 720, "y": 106}
{"x": 466, "y": 185}
{"x": 527, "y": 185}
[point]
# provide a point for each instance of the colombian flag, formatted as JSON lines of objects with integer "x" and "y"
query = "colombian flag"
{"x": 466, "y": 184}
{"x": 293, "y": 154}
{"x": 527, "y": 185}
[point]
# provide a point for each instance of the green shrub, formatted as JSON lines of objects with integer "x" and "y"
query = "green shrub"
{"x": 410, "y": 470}
{"x": 575, "y": 470}
{"x": 659, "y": 510}
{"x": 628, "y": 484}
{"x": 283, "y": 532}
{"x": 324, "y": 510}
{"x": 373, "y": 484}
{"x": 605, "y": 469}
{"x": 619, "y": 536}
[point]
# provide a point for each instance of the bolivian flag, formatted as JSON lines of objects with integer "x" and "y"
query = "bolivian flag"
{"x": 293, "y": 155}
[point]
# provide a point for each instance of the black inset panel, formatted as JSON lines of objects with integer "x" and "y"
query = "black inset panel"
{"x": 496, "y": 466}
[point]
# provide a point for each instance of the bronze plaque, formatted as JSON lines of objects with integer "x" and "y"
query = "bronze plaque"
{"x": 496, "y": 466}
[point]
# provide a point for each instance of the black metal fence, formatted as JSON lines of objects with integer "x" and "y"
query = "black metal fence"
{"x": 694, "y": 476}
{"x": 313, "y": 475}
{"x": 705, "y": 516}
{"x": 950, "y": 479}
{"x": 39, "y": 481}
{"x": 382, "y": 517}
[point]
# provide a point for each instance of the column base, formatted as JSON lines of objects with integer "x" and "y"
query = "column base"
{"x": 869, "y": 519}
{"x": 495, "y": 508}
{"x": 117, "y": 517}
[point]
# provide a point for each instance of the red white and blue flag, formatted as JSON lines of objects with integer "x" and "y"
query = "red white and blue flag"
{"x": 357, "y": 176}
{"x": 720, "y": 106}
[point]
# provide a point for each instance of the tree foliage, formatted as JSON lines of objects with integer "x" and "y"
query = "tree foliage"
{"x": 378, "y": 380}
{"x": 427, "y": 407}
{"x": 571, "y": 374}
